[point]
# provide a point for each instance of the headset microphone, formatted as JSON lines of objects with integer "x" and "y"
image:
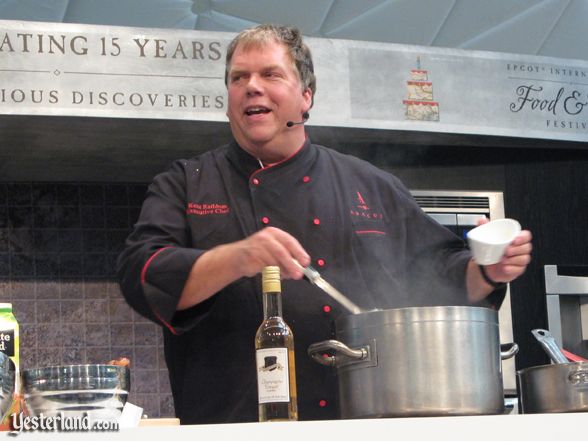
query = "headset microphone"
{"x": 305, "y": 117}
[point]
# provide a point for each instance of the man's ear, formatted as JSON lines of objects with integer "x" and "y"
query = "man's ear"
{"x": 307, "y": 95}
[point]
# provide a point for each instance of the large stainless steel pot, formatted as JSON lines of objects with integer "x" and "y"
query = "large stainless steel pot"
{"x": 554, "y": 388}
{"x": 418, "y": 361}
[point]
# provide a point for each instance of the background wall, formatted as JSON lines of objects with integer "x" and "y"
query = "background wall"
{"x": 58, "y": 248}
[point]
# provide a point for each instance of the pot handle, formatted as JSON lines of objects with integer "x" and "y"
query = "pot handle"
{"x": 316, "y": 351}
{"x": 509, "y": 353}
{"x": 578, "y": 378}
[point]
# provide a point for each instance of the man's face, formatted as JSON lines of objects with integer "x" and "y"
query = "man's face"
{"x": 264, "y": 94}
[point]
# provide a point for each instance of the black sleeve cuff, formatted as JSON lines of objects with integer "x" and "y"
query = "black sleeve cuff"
{"x": 495, "y": 299}
{"x": 488, "y": 280}
{"x": 163, "y": 280}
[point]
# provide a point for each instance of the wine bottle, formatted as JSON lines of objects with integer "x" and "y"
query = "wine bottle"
{"x": 274, "y": 348}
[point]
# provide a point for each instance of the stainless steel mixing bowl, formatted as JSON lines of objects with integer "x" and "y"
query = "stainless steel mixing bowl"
{"x": 98, "y": 390}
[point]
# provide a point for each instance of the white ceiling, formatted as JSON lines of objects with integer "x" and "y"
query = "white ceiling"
{"x": 555, "y": 28}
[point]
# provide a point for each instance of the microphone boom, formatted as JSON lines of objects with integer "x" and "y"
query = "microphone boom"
{"x": 305, "y": 117}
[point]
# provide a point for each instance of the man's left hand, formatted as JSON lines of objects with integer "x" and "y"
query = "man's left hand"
{"x": 515, "y": 260}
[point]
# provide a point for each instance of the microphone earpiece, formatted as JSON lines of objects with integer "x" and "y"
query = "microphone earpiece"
{"x": 305, "y": 117}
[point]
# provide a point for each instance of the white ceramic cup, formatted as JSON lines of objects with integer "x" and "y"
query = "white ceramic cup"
{"x": 489, "y": 241}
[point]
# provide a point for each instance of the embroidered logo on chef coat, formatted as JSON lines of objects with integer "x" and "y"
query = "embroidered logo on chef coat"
{"x": 362, "y": 209}
{"x": 362, "y": 205}
{"x": 203, "y": 209}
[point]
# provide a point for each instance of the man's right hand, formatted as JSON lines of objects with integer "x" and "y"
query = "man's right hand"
{"x": 226, "y": 263}
{"x": 271, "y": 246}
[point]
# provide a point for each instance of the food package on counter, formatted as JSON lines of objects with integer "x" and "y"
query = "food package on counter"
{"x": 9, "y": 338}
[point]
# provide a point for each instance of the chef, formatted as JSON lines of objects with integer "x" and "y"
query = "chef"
{"x": 209, "y": 225}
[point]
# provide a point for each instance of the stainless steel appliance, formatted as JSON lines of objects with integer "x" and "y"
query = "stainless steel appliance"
{"x": 459, "y": 211}
{"x": 566, "y": 290}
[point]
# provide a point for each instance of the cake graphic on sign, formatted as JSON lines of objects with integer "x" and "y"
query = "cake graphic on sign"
{"x": 420, "y": 105}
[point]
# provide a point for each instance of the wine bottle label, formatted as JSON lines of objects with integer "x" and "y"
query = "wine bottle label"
{"x": 272, "y": 375}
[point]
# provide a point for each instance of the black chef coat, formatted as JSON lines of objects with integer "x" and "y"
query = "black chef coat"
{"x": 360, "y": 225}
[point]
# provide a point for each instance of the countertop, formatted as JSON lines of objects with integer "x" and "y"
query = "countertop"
{"x": 537, "y": 427}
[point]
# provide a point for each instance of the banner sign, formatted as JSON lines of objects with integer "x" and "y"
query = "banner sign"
{"x": 104, "y": 71}
{"x": 79, "y": 70}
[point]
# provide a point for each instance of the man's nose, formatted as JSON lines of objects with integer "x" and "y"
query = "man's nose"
{"x": 254, "y": 85}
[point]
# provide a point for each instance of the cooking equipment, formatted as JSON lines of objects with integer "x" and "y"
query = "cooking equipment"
{"x": 566, "y": 288}
{"x": 549, "y": 345}
{"x": 560, "y": 387}
{"x": 421, "y": 361}
{"x": 100, "y": 390}
{"x": 572, "y": 357}
{"x": 315, "y": 278}
{"x": 554, "y": 388}
{"x": 557, "y": 354}
{"x": 460, "y": 211}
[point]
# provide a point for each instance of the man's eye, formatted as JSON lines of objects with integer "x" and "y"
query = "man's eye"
{"x": 236, "y": 77}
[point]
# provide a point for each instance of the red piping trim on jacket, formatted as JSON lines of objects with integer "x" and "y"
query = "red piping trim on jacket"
{"x": 280, "y": 162}
{"x": 143, "y": 273}
{"x": 144, "y": 270}
{"x": 370, "y": 232}
{"x": 166, "y": 324}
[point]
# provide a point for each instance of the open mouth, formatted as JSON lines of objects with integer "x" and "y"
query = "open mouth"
{"x": 256, "y": 111}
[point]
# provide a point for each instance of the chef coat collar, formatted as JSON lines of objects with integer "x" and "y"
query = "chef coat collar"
{"x": 249, "y": 165}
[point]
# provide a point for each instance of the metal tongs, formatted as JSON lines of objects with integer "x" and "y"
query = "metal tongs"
{"x": 315, "y": 278}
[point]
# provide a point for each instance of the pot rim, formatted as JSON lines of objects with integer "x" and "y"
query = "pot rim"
{"x": 554, "y": 366}
{"x": 420, "y": 314}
